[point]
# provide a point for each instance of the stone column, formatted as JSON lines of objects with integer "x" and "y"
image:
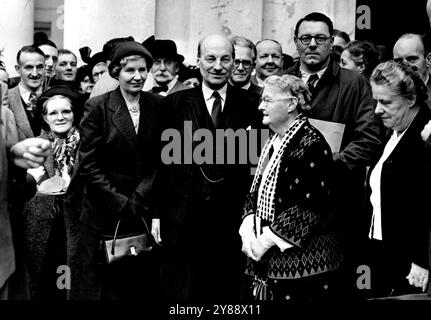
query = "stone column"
{"x": 92, "y": 23}
{"x": 281, "y": 16}
{"x": 191, "y": 20}
{"x": 16, "y": 29}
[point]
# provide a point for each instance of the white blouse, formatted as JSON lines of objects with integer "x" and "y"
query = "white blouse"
{"x": 375, "y": 179}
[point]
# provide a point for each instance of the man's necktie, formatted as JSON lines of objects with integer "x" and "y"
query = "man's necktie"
{"x": 311, "y": 83}
{"x": 162, "y": 88}
{"x": 31, "y": 106}
{"x": 32, "y": 101}
{"x": 216, "y": 110}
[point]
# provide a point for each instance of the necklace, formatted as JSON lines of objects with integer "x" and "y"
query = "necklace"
{"x": 135, "y": 108}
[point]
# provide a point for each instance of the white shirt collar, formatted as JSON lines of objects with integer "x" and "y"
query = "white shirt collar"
{"x": 247, "y": 86}
{"x": 209, "y": 92}
{"x": 305, "y": 75}
{"x": 259, "y": 81}
{"x": 170, "y": 85}
{"x": 25, "y": 93}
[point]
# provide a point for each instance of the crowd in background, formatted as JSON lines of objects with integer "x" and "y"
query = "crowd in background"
{"x": 299, "y": 229}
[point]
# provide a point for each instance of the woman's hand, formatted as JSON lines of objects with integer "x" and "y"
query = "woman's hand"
{"x": 426, "y": 131}
{"x": 247, "y": 235}
{"x": 262, "y": 244}
{"x": 418, "y": 277}
{"x": 155, "y": 230}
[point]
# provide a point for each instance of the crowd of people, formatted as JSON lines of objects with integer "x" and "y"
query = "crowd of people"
{"x": 84, "y": 182}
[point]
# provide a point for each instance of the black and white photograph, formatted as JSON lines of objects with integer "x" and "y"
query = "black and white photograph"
{"x": 215, "y": 158}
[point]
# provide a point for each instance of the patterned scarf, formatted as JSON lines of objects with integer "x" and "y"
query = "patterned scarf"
{"x": 265, "y": 202}
{"x": 64, "y": 150}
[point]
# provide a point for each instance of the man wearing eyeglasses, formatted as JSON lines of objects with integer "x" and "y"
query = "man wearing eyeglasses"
{"x": 269, "y": 60}
{"x": 243, "y": 64}
{"x": 340, "y": 95}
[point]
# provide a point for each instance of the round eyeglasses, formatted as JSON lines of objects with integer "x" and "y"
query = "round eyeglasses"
{"x": 246, "y": 64}
{"x": 320, "y": 39}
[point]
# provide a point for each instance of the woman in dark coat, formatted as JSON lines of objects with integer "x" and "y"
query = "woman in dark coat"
{"x": 48, "y": 231}
{"x": 286, "y": 227}
{"x": 399, "y": 199}
{"x": 118, "y": 156}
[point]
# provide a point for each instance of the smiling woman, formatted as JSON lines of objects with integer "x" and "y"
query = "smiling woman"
{"x": 292, "y": 251}
{"x": 48, "y": 233}
{"x": 118, "y": 157}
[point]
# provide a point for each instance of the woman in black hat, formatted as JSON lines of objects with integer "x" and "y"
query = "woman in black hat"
{"x": 46, "y": 227}
{"x": 118, "y": 156}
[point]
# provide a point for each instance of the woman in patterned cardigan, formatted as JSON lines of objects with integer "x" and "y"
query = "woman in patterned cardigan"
{"x": 286, "y": 232}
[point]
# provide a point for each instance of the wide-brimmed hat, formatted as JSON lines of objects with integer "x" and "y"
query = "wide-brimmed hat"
{"x": 163, "y": 49}
{"x": 129, "y": 48}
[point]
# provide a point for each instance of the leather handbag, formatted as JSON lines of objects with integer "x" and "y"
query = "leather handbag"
{"x": 119, "y": 248}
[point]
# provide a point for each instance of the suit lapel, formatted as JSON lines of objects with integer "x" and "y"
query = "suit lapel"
{"x": 17, "y": 107}
{"x": 229, "y": 108}
{"x": 122, "y": 119}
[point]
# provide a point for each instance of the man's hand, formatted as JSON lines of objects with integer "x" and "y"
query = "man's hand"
{"x": 30, "y": 153}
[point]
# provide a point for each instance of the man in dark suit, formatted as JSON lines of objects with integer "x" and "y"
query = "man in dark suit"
{"x": 199, "y": 205}
{"x": 22, "y": 99}
{"x": 342, "y": 96}
{"x": 166, "y": 65}
{"x": 243, "y": 65}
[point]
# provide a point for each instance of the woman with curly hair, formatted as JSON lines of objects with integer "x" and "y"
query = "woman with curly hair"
{"x": 286, "y": 231}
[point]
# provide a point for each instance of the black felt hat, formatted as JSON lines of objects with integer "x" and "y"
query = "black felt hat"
{"x": 130, "y": 48}
{"x": 163, "y": 49}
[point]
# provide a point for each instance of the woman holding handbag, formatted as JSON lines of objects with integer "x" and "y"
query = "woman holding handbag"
{"x": 118, "y": 157}
{"x": 293, "y": 253}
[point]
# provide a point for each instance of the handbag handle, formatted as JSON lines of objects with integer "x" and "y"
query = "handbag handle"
{"x": 116, "y": 232}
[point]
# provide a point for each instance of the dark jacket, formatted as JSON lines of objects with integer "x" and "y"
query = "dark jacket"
{"x": 114, "y": 160}
{"x": 405, "y": 207}
{"x": 344, "y": 96}
{"x": 199, "y": 205}
{"x": 178, "y": 184}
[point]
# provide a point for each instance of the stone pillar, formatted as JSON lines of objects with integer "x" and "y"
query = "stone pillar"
{"x": 281, "y": 16}
{"x": 16, "y": 29}
{"x": 92, "y": 23}
{"x": 188, "y": 21}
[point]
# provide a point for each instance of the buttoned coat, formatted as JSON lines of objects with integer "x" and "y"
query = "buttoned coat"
{"x": 115, "y": 170}
{"x": 113, "y": 158}
{"x": 199, "y": 205}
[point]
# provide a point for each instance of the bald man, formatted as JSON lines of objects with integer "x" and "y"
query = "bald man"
{"x": 200, "y": 204}
{"x": 410, "y": 48}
